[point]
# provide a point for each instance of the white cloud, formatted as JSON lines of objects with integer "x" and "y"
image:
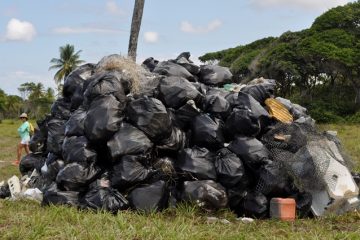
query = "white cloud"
{"x": 79, "y": 30}
{"x": 151, "y": 37}
{"x": 113, "y": 8}
{"x": 17, "y": 30}
{"x": 190, "y": 28}
{"x": 304, "y": 4}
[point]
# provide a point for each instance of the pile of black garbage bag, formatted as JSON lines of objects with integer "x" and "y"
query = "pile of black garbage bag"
{"x": 181, "y": 137}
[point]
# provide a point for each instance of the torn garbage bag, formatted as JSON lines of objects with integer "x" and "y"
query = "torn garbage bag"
{"x": 206, "y": 193}
{"x": 150, "y": 197}
{"x": 151, "y": 117}
{"x": 128, "y": 141}
{"x": 105, "y": 198}
{"x": 175, "y": 142}
{"x": 196, "y": 164}
{"x": 54, "y": 196}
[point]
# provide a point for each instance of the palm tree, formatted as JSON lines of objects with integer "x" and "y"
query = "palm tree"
{"x": 67, "y": 62}
{"x": 135, "y": 28}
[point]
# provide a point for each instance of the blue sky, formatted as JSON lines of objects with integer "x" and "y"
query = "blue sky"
{"x": 31, "y": 31}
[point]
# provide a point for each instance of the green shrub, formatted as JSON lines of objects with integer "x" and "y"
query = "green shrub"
{"x": 355, "y": 118}
{"x": 322, "y": 115}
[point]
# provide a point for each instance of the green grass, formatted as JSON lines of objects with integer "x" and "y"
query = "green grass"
{"x": 28, "y": 220}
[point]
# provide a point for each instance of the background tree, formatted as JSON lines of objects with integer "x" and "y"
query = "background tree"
{"x": 68, "y": 61}
{"x": 135, "y": 28}
{"x": 318, "y": 67}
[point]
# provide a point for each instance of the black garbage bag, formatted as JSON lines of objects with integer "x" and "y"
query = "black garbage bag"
{"x": 103, "y": 84}
{"x": 229, "y": 168}
{"x": 77, "y": 99}
{"x": 105, "y": 198}
{"x": 356, "y": 177}
{"x": 243, "y": 122}
{"x": 274, "y": 181}
{"x": 202, "y": 88}
{"x": 215, "y": 75}
{"x": 175, "y": 142}
{"x": 185, "y": 115}
{"x": 5, "y": 191}
{"x": 75, "y": 80}
{"x": 207, "y": 193}
{"x": 261, "y": 91}
{"x": 54, "y": 196}
{"x": 252, "y": 115}
{"x": 169, "y": 68}
{"x": 166, "y": 167}
{"x": 37, "y": 142}
{"x": 151, "y": 117}
{"x": 129, "y": 171}
{"x": 216, "y": 105}
{"x": 103, "y": 119}
{"x": 251, "y": 151}
{"x": 40, "y": 182}
{"x": 150, "y": 63}
{"x": 76, "y": 177}
{"x": 75, "y": 125}
{"x": 207, "y": 132}
{"x": 196, "y": 164}
{"x": 235, "y": 196}
{"x": 184, "y": 60}
{"x": 52, "y": 169}
{"x": 254, "y": 205}
{"x": 303, "y": 204}
{"x": 56, "y": 135}
{"x": 77, "y": 149}
{"x": 60, "y": 109}
{"x": 30, "y": 162}
{"x": 128, "y": 141}
{"x": 149, "y": 197}
{"x": 174, "y": 92}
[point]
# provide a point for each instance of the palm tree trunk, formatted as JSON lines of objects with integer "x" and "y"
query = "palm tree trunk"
{"x": 135, "y": 28}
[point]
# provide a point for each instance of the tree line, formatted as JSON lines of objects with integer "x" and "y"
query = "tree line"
{"x": 319, "y": 66}
{"x": 35, "y": 100}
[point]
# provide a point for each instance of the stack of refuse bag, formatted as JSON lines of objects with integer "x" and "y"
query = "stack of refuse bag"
{"x": 149, "y": 137}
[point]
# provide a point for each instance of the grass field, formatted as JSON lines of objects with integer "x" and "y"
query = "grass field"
{"x": 28, "y": 220}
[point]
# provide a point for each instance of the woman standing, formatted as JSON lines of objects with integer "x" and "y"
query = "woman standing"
{"x": 24, "y": 132}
